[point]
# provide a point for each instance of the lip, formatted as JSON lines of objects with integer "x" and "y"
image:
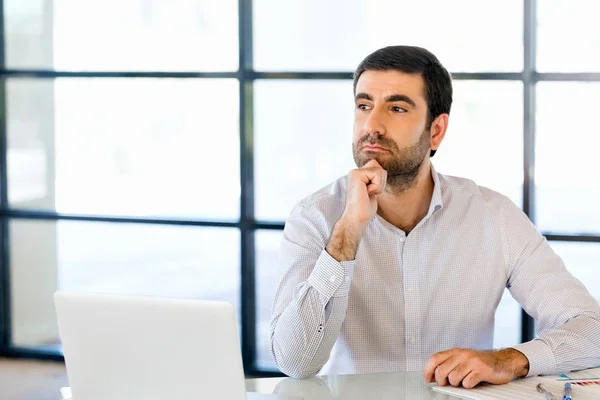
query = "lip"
{"x": 373, "y": 148}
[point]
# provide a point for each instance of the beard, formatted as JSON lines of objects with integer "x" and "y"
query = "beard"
{"x": 402, "y": 166}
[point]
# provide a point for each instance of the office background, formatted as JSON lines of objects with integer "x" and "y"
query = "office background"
{"x": 156, "y": 147}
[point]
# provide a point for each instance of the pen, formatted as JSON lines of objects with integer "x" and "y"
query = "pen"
{"x": 567, "y": 392}
{"x": 541, "y": 389}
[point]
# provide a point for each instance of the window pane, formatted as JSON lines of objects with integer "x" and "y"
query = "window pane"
{"x": 566, "y": 166}
{"x": 267, "y": 277}
{"x": 507, "y": 331}
{"x": 581, "y": 259}
{"x": 125, "y": 146}
{"x": 144, "y": 35}
{"x": 151, "y": 260}
{"x": 321, "y": 143}
{"x": 508, "y": 315}
{"x": 568, "y": 36}
{"x": 484, "y": 141}
{"x": 342, "y": 32}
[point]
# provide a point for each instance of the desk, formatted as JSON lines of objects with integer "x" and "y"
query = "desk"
{"x": 396, "y": 386}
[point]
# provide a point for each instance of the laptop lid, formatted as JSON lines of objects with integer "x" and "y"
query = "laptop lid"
{"x": 128, "y": 348}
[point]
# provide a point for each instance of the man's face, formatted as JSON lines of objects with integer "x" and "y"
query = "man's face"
{"x": 390, "y": 120}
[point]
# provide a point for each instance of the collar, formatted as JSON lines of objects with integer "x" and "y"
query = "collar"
{"x": 436, "y": 198}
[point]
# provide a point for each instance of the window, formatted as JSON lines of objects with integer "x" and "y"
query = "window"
{"x": 566, "y": 167}
{"x": 125, "y": 146}
{"x": 163, "y": 155}
{"x": 581, "y": 260}
{"x": 568, "y": 39}
{"x": 144, "y": 35}
{"x": 343, "y": 32}
{"x": 322, "y": 149}
{"x": 151, "y": 260}
{"x": 485, "y": 130}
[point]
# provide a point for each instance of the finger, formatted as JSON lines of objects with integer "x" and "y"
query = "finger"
{"x": 433, "y": 362}
{"x": 377, "y": 184}
{"x": 372, "y": 164}
{"x": 459, "y": 373}
{"x": 374, "y": 179}
{"x": 471, "y": 380}
{"x": 443, "y": 370}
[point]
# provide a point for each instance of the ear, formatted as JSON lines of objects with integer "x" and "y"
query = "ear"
{"x": 438, "y": 131}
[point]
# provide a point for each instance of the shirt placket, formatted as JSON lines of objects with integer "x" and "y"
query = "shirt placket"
{"x": 412, "y": 303}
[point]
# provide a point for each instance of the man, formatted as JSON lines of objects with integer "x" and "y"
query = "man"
{"x": 397, "y": 267}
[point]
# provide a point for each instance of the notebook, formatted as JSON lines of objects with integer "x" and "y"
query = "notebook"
{"x": 585, "y": 385}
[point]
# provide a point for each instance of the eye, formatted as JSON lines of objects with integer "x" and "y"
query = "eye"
{"x": 398, "y": 109}
{"x": 362, "y": 106}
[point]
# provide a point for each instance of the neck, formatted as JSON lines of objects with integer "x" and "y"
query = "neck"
{"x": 405, "y": 206}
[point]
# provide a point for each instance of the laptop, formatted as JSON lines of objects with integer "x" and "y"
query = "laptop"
{"x": 142, "y": 348}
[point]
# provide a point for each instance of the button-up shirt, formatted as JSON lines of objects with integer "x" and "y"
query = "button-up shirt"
{"x": 404, "y": 298}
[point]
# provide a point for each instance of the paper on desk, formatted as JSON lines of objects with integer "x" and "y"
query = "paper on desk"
{"x": 522, "y": 389}
{"x": 582, "y": 375}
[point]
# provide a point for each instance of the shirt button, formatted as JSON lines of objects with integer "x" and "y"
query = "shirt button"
{"x": 347, "y": 279}
{"x": 412, "y": 340}
{"x": 332, "y": 279}
{"x": 403, "y": 239}
{"x": 411, "y": 289}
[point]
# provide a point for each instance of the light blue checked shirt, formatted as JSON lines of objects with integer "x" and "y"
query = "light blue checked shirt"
{"x": 405, "y": 298}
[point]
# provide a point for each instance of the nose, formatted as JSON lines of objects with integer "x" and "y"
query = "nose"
{"x": 373, "y": 124}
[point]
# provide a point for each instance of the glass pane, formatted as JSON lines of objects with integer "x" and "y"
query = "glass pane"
{"x": 568, "y": 36}
{"x": 507, "y": 331}
{"x": 151, "y": 260}
{"x": 125, "y": 146}
{"x": 321, "y": 143}
{"x": 581, "y": 259}
{"x": 267, "y": 277}
{"x": 508, "y": 315}
{"x": 566, "y": 167}
{"x": 484, "y": 141}
{"x": 343, "y": 32}
{"x": 144, "y": 35}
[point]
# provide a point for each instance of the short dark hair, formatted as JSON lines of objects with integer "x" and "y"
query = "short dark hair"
{"x": 414, "y": 60}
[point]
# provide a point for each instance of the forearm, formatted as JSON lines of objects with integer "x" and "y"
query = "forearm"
{"x": 572, "y": 346}
{"x": 305, "y": 327}
{"x": 344, "y": 240}
{"x": 303, "y": 337}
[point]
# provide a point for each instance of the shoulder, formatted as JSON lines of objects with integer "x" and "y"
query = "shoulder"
{"x": 461, "y": 190}
{"x": 328, "y": 201}
{"x": 313, "y": 218}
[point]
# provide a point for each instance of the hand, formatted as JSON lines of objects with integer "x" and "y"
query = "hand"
{"x": 470, "y": 367}
{"x": 364, "y": 185}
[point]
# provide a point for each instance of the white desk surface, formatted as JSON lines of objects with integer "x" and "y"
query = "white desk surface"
{"x": 396, "y": 386}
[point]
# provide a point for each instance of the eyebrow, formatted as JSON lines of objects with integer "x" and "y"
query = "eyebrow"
{"x": 390, "y": 99}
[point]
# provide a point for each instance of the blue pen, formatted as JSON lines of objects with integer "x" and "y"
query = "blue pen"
{"x": 567, "y": 392}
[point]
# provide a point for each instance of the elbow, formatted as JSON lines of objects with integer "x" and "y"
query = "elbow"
{"x": 291, "y": 363}
{"x": 296, "y": 371}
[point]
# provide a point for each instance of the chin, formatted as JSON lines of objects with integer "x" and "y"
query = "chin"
{"x": 365, "y": 160}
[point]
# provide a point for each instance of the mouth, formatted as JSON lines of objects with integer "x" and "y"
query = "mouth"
{"x": 373, "y": 148}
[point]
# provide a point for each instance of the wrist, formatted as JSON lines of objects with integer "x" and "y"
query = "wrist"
{"x": 516, "y": 361}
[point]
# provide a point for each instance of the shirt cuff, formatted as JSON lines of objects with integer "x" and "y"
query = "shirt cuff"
{"x": 330, "y": 277}
{"x": 540, "y": 356}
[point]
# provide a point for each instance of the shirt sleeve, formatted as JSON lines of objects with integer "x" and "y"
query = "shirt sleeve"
{"x": 312, "y": 296}
{"x": 567, "y": 316}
